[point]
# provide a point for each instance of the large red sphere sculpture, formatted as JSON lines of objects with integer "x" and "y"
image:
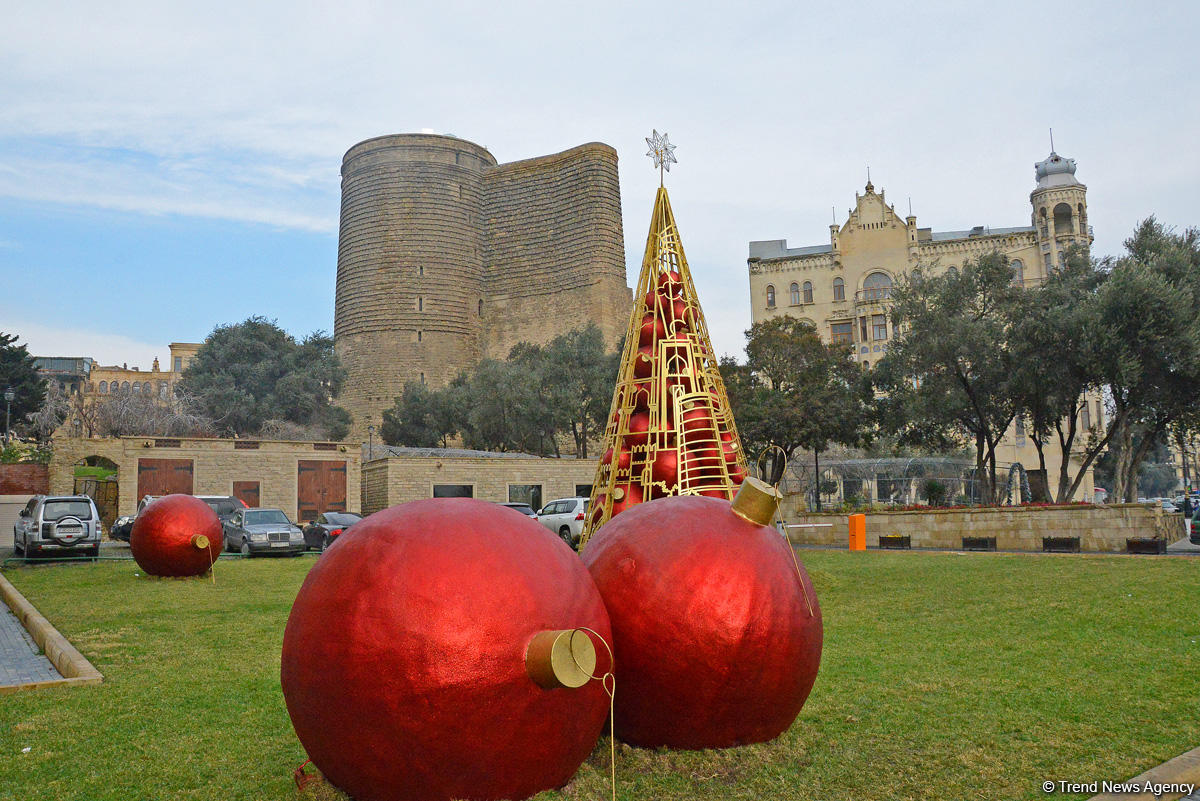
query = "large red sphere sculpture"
{"x": 176, "y": 535}
{"x": 411, "y": 657}
{"x": 716, "y": 627}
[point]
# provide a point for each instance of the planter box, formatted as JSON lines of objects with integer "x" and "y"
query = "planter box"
{"x": 1153, "y": 545}
{"x": 1060, "y": 544}
{"x": 895, "y": 541}
{"x": 979, "y": 543}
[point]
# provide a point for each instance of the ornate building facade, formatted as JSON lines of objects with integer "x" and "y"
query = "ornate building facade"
{"x": 446, "y": 257}
{"x": 844, "y": 287}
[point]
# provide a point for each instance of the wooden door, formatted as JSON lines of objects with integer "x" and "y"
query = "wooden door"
{"x": 164, "y": 477}
{"x": 320, "y": 487}
{"x": 247, "y": 493}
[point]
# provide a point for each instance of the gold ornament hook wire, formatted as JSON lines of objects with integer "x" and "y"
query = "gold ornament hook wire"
{"x": 611, "y": 692}
{"x": 779, "y": 517}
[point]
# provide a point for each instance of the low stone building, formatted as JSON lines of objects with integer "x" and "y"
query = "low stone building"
{"x": 409, "y": 474}
{"x": 301, "y": 478}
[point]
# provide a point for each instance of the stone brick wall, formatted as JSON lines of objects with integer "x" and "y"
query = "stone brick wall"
{"x": 217, "y": 463}
{"x": 24, "y": 479}
{"x": 399, "y": 479}
{"x": 1099, "y": 528}
{"x": 445, "y": 257}
{"x": 554, "y": 248}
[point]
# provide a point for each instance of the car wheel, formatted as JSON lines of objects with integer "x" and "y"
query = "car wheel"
{"x": 325, "y": 543}
{"x": 246, "y": 548}
{"x": 94, "y": 551}
{"x": 565, "y": 533}
{"x": 18, "y": 547}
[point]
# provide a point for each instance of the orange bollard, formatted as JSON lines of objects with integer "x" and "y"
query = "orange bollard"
{"x": 858, "y": 532}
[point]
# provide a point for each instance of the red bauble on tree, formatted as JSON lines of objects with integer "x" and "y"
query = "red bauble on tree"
{"x": 176, "y": 535}
{"x": 415, "y": 655}
{"x": 716, "y": 626}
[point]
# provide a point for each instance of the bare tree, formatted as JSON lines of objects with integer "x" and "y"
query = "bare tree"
{"x": 126, "y": 414}
{"x": 51, "y": 414}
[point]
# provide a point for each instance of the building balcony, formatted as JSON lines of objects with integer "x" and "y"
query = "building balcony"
{"x": 865, "y": 297}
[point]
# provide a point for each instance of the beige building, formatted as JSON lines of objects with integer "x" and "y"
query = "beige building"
{"x": 844, "y": 287}
{"x": 84, "y": 375}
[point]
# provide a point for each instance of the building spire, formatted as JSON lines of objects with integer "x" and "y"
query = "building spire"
{"x": 1051, "y": 140}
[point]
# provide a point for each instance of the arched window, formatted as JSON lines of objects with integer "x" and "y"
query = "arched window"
{"x": 1018, "y": 270}
{"x": 137, "y": 387}
{"x": 1063, "y": 223}
{"x": 839, "y": 289}
{"x": 146, "y": 388}
{"x": 952, "y": 270}
{"x": 878, "y": 286}
{"x": 103, "y": 387}
{"x": 808, "y": 292}
{"x": 480, "y": 311}
{"x": 795, "y": 292}
{"x": 770, "y": 296}
{"x": 124, "y": 386}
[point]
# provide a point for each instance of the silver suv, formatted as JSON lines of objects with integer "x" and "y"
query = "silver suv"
{"x": 565, "y": 518}
{"x": 65, "y": 524}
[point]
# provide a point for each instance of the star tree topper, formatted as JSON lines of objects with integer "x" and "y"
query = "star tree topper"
{"x": 661, "y": 152}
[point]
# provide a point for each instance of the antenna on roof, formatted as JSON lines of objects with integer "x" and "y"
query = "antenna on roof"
{"x": 833, "y": 214}
{"x": 1051, "y": 140}
{"x": 910, "y": 205}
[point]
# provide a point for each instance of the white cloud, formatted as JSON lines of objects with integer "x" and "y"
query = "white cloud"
{"x": 48, "y": 340}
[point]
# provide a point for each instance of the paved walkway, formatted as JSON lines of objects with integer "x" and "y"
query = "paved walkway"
{"x": 20, "y": 663}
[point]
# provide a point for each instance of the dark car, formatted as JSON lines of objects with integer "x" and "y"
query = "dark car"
{"x": 123, "y": 527}
{"x": 255, "y": 531}
{"x": 523, "y": 508}
{"x": 320, "y": 533}
{"x": 223, "y": 505}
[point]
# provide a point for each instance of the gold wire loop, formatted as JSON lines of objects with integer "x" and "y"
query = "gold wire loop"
{"x": 611, "y": 692}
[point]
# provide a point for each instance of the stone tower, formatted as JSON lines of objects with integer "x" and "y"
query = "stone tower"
{"x": 1059, "y": 209}
{"x": 446, "y": 257}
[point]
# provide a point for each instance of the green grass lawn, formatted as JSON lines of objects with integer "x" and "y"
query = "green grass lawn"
{"x": 947, "y": 676}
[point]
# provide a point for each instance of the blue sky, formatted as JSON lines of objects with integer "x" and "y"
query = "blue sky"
{"x": 165, "y": 168}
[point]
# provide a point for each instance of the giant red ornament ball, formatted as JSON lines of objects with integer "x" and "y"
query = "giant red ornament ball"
{"x": 404, "y": 656}
{"x": 176, "y": 535}
{"x": 717, "y": 630}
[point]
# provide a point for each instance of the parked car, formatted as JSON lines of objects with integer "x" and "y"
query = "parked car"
{"x": 67, "y": 525}
{"x": 321, "y": 533}
{"x": 523, "y": 508}
{"x": 255, "y": 531}
{"x": 565, "y": 518}
{"x": 223, "y": 505}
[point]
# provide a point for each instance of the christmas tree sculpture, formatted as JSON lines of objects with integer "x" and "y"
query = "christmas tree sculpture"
{"x": 670, "y": 430}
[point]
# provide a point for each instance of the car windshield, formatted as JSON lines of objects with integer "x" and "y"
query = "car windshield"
{"x": 259, "y": 517}
{"x": 338, "y": 519}
{"x": 57, "y": 510}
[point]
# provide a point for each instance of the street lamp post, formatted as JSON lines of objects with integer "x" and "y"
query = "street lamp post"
{"x": 8, "y": 399}
{"x": 370, "y": 443}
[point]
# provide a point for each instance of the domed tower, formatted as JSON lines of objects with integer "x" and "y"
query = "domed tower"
{"x": 1059, "y": 210}
{"x": 410, "y": 267}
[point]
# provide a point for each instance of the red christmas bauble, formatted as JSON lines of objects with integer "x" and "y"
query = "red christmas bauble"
{"x": 670, "y": 283}
{"x": 404, "y": 657}
{"x": 643, "y": 361}
{"x": 666, "y": 467}
{"x": 626, "y": 496}
{"x": 717, "y": 634}
{"x": 639, "y": 425}
{"x": 652, "y": 328}
{"x": 176, "y": 535}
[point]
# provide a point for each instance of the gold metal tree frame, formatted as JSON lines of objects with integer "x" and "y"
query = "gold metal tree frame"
{"x": 670, "y": 430}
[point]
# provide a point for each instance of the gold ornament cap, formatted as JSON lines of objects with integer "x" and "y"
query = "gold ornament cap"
{"x": 756, "y": 501}
{"x": 200, "y": 541}
{"x": 562, "y": 658}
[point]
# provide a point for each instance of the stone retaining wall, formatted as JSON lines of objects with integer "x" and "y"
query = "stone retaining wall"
{"x": 1099, "y": 528}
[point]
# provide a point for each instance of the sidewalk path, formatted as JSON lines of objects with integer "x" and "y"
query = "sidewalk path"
{"x": 20, "y": 663}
